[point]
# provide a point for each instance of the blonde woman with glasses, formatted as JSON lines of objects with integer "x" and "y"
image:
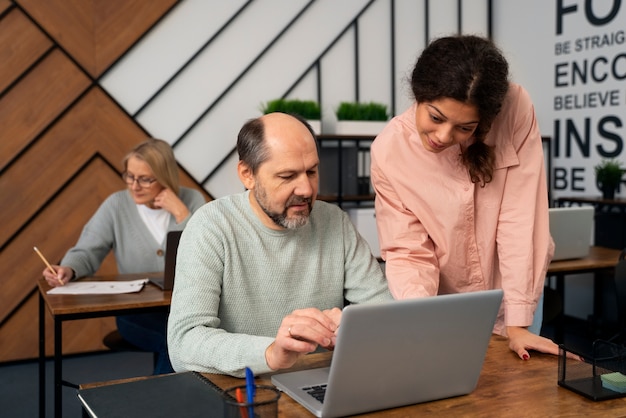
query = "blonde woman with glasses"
{"x": 134, "y": 223}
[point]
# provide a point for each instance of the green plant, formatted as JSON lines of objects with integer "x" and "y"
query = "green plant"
{"x": 362, "y": 111}
{"x": 307, "y": 109}
{"x": 609, "y": 173}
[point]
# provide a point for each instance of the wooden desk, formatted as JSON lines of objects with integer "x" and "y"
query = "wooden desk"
{"x": 600, "y": 260}
{"x": 70, "y": 307}
{"x": 507, "y": 387}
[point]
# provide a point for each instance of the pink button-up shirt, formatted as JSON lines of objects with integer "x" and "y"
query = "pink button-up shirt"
{"x": 440, "y": 233}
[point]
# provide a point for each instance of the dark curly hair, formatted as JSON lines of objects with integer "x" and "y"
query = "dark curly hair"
{"x": 472, "y": 70}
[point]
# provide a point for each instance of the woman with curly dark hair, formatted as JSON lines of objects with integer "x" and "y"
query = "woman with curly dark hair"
{"x": 461, "y": 190}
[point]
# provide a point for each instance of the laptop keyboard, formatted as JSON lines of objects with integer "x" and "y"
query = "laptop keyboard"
{"x": 317, "y": 391}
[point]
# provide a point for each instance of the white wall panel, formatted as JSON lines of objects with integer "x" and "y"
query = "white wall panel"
{"x": 225, "y": 181}
{"x": 474, "y": 17}
{"x": 338, "y": 83}
{"x": 410, "y": 41}
{"x": 273, "y": 73}
{"x": 199, "y": 85}
{"x": 203, "y": 108}
{"x": 375, "y": 54}
{"x": 157, "y": 57}
{"x": 443, "y": 18}
{"x": 306, "y": 88}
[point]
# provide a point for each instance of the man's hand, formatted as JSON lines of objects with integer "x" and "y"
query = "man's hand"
{"x": 301, "y": 332}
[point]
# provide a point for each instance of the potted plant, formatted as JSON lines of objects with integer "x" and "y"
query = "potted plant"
{"x": 355, "y": 118}
{"x": 608, "y": 177}
{"x": 307, "y": 109}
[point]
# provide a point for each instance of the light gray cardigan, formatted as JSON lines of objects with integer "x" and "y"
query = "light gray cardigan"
{"x": 117, "y": 226}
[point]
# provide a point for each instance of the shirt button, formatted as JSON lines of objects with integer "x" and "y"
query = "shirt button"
{"x": 160, "y": 252}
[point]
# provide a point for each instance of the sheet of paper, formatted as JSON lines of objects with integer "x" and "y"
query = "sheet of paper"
{"x": 99, "y": 288}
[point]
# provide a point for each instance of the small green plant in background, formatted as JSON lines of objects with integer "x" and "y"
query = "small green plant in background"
{"x": 609, "y": 172}
{"x": 608, "y": 177}
{"x": 307, "y": 109}
{"x": 362, "y": 111}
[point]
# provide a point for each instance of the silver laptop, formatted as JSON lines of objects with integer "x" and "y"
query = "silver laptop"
{"x": 571, "y": 229}
{"x": 399, "y": 353}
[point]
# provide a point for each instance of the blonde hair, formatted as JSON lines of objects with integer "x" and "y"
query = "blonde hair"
{"x": 159, "y": 156}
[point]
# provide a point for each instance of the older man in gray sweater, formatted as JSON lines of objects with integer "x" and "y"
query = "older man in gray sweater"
{"x": 262, "y": 276}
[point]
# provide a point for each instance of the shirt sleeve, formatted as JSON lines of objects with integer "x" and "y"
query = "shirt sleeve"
{"x": 524, "y": 245}
{"x": 411, "y": 266}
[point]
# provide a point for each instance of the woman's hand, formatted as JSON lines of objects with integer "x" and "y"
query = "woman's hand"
{"x": 169, "y": 201}
{"x": 64, "y": 275}
{"x": 521, "y": 340}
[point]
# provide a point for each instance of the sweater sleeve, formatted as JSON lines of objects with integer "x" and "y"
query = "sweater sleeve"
{"x": 195, "y": 340}
{"x": 364, "y": 279}
{"x": 96, "y": 240}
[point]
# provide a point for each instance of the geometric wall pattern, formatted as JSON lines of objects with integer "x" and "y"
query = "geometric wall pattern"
{"x": 61, "y": 145}
{"x": 82, "y": 81}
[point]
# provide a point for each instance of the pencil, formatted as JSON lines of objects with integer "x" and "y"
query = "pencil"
{"x": 48, "y": 265}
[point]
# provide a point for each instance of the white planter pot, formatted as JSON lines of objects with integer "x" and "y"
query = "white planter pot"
{"x": 359, "y": 127}
{"x": 316, "y": 125}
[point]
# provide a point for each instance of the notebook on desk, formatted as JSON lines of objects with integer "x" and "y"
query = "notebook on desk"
{"x": 166, "y": 280}
{"x": 400, "y": 353}
{"x": 571, "y": 229}
{"x": 188, "y": 394}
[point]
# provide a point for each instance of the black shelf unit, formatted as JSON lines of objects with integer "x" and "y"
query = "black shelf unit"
{"x": 345, "y": 169}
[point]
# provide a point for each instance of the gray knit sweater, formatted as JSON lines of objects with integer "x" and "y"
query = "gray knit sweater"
{"x": 236, "y": 280}
{"x": 117, "y": 226}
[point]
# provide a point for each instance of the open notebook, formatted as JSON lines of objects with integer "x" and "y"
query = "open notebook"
{"x": 399, "y": 353}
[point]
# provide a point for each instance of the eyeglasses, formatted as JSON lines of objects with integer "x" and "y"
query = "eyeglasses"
{"x": 142, "y": 181}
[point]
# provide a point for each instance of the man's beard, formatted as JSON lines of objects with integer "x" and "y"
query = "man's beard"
{"x": 300, "y": 218}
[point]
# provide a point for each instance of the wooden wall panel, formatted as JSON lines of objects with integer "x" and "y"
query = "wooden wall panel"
{"x": 61, "y": 146}
{"x": 4, "y": 5}
{"x": 96, "y": 32}
{"x": 52, "y": 233}
{"x": 19, "y": 338}
{"x": 93, "y": 125}
{"x": 36, "y": 101}
{"x": 21, "y": 44}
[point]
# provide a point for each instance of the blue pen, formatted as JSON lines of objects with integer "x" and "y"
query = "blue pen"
{"x": 250, "y": 389}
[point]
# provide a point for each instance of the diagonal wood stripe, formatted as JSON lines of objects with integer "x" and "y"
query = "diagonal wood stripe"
{"x": 28, "y": 108}
{"x": 19, "y": 338}
{"x": 93, "y": 125}
{"x": 61, "y": 146}
{"x": 96, "y": 32}
{"x": 4, "y": 5}
{"x": 21, "y": 44}
{"x": 53, "y": 234}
